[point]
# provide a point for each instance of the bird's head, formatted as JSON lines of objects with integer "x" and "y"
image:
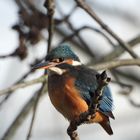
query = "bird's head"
{"x": 57, "y": 58}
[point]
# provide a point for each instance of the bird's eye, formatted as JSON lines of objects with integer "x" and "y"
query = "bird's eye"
{"x": 55, "y": 60}
{"x": 61, "y": 59}
{"x": 58, "y": 60}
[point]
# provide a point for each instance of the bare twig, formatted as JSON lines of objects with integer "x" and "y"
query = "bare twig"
{"x": 118, "y": 50}
{"x": 40, "y": 92}
{"x": 123, "y": 84}
{"x": 116, "y": 63}
{"x": 82, "y": 42}
{"x": 76, "y": 32}
{"x": 21, "y": 79}
{"x": 129, "y": 75}
{"x": 132, "y": 102}
{"x": 23, "y": 85}
{"x": 6, "y": 56}
{"x": 20, "y": 117}
{"x": 49, "y": 4}
{"x": 33, "y": 119}
{"x": 84, "y": 6}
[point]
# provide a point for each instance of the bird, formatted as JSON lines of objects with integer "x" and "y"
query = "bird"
{"x": 71, "y": 86}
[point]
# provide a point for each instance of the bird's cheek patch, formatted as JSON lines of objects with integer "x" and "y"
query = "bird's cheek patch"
{"x": 73, "y": 62}
{"x": 57, "y": 70}
{"x": 76, "y": 63}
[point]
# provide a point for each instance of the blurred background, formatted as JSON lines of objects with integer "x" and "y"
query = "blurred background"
{"x": 23, "y": 42}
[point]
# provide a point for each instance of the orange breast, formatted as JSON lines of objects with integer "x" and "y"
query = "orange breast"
{"x": 67, "y": 99}
{"x": 99, "y": 117}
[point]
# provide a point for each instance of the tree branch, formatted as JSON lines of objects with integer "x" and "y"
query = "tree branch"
{"x": 23, "y": 85}
{"x": 115, "y": 64}
{"x": 36, "y": 61}
{"x": 76, "y": 32}
{"x": 118, "y": 50}
{"x": 101, "y": 66}
{"x": 19, "y": 118}
{"x": 85, "y": 7}
{"x": 131, "y": 76}
{"x": 49, "y": 4}
{"x": 39, "y": 95}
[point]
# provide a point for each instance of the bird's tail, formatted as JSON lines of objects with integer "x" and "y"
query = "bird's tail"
{"x": 107, "y": 127}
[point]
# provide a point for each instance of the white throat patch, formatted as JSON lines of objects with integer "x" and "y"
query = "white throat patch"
{"x": 60, "y": 71}
{"x": 76, "y": 63}
{"x": 57, "y": 70}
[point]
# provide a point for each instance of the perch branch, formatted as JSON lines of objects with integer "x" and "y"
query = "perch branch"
{"x": 86, "y": 117}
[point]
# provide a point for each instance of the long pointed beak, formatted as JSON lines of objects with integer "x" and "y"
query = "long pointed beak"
{"x": 44, "y": 65}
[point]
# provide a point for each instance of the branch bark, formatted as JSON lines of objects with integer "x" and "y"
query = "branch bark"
{"x": 86, "y": 117}
{"x": 39, "y": 95}
{"x": 82, "y": 4}
{"x": 19, "y": 118}
{"x": 49, "y": 4}
{"x": 23, "y": 85}
{"x": 118, "y": 50}
{"x": 115, "y": 64}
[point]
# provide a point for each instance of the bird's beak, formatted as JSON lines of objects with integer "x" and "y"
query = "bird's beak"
{"x": 47, "y": 65}
{"x": 44, "y": 65}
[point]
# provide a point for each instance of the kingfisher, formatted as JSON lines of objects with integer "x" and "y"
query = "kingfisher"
{"x": 71, "y": 86}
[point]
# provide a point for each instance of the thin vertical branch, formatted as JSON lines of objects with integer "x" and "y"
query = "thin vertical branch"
{"x": 19, "y": 119}
{"x": 41, "y": 91}
{"x": 33, "y": 118}
{"x": 22, "y": 114}
{"x": 82, "y": 42}
{"x": 50, "y": 5}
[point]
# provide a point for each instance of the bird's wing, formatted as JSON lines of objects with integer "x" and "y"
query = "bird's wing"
{"x": 87, "y": 84}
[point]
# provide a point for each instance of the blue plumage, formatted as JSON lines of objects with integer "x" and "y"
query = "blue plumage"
{"x": 63, "y": 51}
{"x": 86, "y": 82}
{"x": 106, "y": 104}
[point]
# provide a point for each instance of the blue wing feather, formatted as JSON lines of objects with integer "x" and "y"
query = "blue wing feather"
{"x": 87, "y": 84}
{"x": 106, "y": 104}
